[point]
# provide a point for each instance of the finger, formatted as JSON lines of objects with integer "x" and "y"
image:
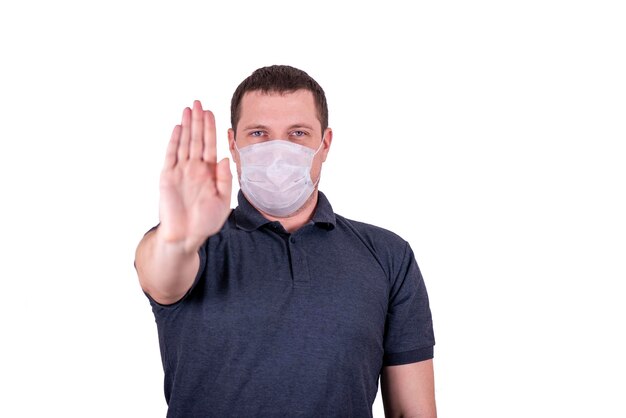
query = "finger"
{"x": 224, "y": 179}
{"x": 172, "y": 148}
{"x": 210, "y": 153}
{"x": 183, "y": 147}
{"x": 197, "y": 121}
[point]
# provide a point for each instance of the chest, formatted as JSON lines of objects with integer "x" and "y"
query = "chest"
{"x": 298, "y": 292}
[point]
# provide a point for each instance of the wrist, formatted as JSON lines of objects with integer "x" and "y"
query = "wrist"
{"x": 184, "y": 247}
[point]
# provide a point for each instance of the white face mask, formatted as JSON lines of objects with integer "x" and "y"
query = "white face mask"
{"x": 276, "y": 175}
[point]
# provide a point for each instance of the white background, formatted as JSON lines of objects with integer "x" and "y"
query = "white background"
{"x": 489, "y": 134}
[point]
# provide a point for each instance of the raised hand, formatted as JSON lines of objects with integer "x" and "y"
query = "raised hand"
{"x": 195, "y": 190}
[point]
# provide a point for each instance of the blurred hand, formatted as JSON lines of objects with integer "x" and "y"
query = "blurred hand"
{"x": 195, "y": 190}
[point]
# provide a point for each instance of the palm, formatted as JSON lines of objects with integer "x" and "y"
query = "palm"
{"x": 195, "y": 190}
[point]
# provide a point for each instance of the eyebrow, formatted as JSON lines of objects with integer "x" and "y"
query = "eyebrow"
{"x": 254, "y": 127}
{"x": 301, "y": 125}
{"x": 263, "y": 127}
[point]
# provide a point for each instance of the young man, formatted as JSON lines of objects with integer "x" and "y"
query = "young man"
{"x": 279, "y": 307}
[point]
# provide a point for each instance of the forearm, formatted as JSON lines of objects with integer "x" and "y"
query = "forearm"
{"x": 166, "y": 270}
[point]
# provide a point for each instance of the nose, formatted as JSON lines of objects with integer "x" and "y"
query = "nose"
{"x": 283, "y": 173}
{"x": 276, "y": 172}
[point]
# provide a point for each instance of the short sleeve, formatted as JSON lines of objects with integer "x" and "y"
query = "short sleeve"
{"x": 409, "y": 335}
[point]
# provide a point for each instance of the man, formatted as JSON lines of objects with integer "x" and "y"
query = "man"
{"x": 279, "y": 307}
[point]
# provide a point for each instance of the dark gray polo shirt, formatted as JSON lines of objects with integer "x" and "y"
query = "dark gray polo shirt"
{"x": 292, "y": 325}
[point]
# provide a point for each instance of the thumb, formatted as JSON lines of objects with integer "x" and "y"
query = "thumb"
{"x": 224, "y": 178}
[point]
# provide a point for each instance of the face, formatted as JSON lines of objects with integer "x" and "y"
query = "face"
{"x": 288, "y": 116}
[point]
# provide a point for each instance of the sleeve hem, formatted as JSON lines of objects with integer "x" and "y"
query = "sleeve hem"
{"x": 413, "y": 356}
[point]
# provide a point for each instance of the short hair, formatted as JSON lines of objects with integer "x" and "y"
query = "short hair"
{"x": 279, "y": 79}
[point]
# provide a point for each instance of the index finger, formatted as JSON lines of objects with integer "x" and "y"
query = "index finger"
{"x": 209, "y": 154}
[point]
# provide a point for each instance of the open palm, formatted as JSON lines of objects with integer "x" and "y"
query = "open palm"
{"x": 195, "y": 190}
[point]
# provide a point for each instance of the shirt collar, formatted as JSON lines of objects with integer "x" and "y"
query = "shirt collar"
{"x": 248, "y": 218}
{"x": 324, "y": 215}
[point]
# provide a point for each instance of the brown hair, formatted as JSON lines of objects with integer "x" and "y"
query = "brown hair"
{"x": 279, "y": 79}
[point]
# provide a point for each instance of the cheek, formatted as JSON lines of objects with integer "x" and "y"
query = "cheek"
{"x": 316, "y": 167}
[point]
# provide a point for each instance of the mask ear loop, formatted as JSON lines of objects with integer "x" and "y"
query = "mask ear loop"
{"x": 320, "y": 175}
{"x": 238, "y": 151}
{"x": 320, "y": 147}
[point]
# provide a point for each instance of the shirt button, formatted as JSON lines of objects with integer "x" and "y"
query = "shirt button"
{"x": 292, "y": 239}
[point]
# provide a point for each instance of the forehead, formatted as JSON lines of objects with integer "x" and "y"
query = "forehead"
{"x": 278, "y": 109}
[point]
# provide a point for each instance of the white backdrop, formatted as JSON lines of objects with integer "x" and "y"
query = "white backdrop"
{"x": 488, "y": 134}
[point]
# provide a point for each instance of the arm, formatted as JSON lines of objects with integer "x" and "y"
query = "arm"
{"x": 165, "y": 270}
{"x": 193, "y": 205}
{"x": 408, "y": 390}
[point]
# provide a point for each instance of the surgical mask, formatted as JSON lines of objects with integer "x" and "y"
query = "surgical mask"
{"x": 276, "y": 175}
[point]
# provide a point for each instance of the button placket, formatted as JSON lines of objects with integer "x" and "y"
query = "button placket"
{"x": 299, "y": 265}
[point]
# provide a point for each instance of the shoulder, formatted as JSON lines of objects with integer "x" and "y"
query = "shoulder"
{"x": 372, "y": 234}
{"x": 388, "y": 248}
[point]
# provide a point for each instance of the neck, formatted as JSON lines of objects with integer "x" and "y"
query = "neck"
{"x": 300, "y": 218}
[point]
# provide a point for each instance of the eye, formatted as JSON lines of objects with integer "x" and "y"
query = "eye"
{"x": 256, "y": 133}
{"x": 298, "y": 134}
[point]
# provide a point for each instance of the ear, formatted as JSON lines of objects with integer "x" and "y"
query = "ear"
{"x": 231, "y": 145}
{"x": 328, "y": 139}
